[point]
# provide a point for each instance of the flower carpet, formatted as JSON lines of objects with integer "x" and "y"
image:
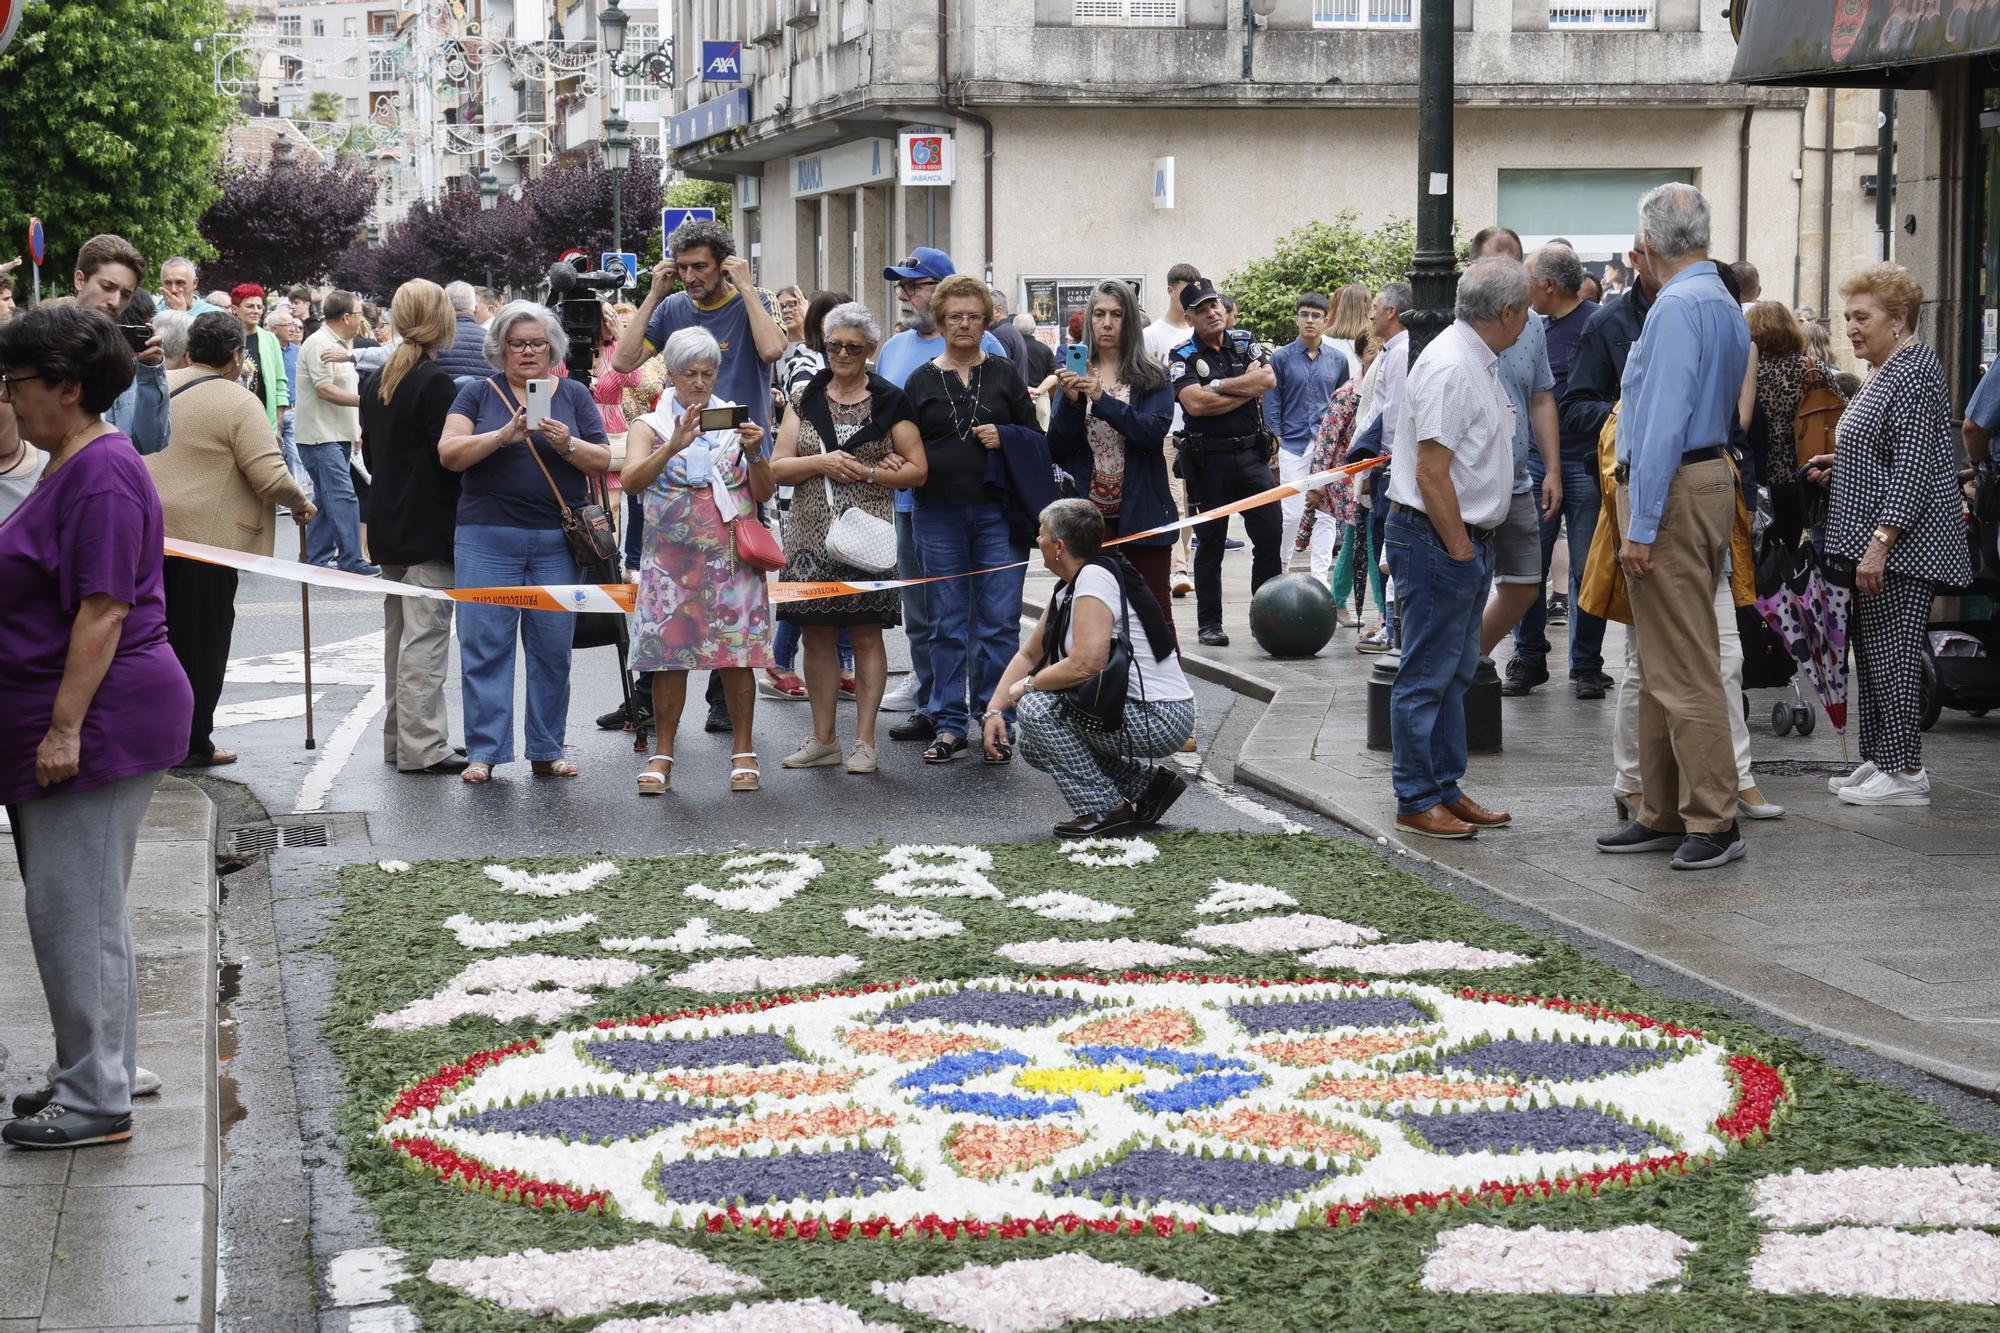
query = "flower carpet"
{"x": 1193, "y": 1081}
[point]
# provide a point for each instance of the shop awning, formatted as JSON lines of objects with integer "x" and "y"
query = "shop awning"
{"x": 1859, "y": 43}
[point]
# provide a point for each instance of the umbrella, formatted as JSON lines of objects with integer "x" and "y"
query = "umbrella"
{"x": 1809, "y": 613}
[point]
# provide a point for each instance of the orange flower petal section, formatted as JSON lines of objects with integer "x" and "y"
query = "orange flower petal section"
{"x": 761, "y": 1082}
{"x": 899, "y": 1044}
{"x": 1283, "y": 1129}
{"x": 1153, "y": 1027}
{"x": 1326, "y": 1050}
{"x": 1406, "y": 1086}
{"x": 986, "y": 1152}
{"x": 838, "y": 1121}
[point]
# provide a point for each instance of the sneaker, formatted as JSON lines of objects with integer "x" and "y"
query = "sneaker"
{"x": 861, "y": 759}
{"x": 1854, "y": 779}
{"x": 1636, "y": 837}
{"x": 1887, "y": 788}
{"x": 1558, "y": 608}
{"x": 813, "y": 754}
{"x": 1376, "y": 641}
{"x": 28, "y": 1103}
{"x": 915, "y": 727}
{"x": 1183, "y": 583}
{"x": 1523, "y": 677}
{"x": 1705, "y": 851}
{"x": 56, "y": 1126}
{"x": 145, "y": 1083}
{"x": 620, "y": 720}
{"x": 902, "y": 699}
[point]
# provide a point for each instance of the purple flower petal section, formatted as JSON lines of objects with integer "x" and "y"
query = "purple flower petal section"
{"x": 1555, "y": 1059}
{"x": 597, "y": 1115}
{"x": 844, "y": 1173}
{"x": 1549, "y": 1129}
{"x": 1363, "y": 1011}
{"x": 1224, "y": 1184}
{"x": 640, "y": 1055}
{"x": 999, "y": 1009}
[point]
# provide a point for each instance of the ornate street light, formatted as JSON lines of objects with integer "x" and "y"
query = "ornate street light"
{"x": 489, "y": 200}
{"x": 657, "y": 62}
{"x": 617, "y": 157}
{"x": 612, "y": 24}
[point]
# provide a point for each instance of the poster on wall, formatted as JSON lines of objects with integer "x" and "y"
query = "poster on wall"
{"x": 1052, "y": 300}
{"x": 925, "y": 158}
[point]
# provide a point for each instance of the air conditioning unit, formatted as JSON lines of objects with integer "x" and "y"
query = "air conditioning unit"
{"x": 801, "y": 13}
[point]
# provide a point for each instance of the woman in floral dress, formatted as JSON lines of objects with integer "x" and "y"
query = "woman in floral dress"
{"x": 850, "y": 442}
{"x": 700, "y": 608}
{"x": 1335, "y": 502}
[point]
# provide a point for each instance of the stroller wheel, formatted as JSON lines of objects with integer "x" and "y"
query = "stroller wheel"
{"x": 1781, "y": 719}
{"x": 1804, "y": 719}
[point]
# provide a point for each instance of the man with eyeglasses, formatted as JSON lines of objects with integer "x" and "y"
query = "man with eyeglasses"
{"x": 717, "y": 294}
{"x": 921, "y": 340}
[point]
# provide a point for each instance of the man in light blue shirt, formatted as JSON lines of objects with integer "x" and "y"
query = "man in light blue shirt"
{"x": 920, "y": 341}
{"x": 1308, "y": 372}
{"x": 1982, "y": 419}
{"x": 1676, "y": 501}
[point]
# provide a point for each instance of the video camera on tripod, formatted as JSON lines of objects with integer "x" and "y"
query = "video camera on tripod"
{"x": 572, "y": 294}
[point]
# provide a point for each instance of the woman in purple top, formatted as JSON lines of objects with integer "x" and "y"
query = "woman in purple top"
{"x": 93, "y": 708}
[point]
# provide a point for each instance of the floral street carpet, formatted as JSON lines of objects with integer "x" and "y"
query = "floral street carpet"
{"x": 1187, "y": 1082}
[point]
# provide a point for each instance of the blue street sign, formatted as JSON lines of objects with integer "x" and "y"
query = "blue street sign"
{"x": 722, "y": 62}
{"x": 613, "y": 259}
{"x": 705, "y": 120}
{"x": 672, "y": 218}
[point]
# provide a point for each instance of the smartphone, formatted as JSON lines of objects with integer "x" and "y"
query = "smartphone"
{"x": 137, "y": 335}
{"x": 541, "y": 397}
{"x": 1076, "y": 359}
{"x": 724, "y": 418}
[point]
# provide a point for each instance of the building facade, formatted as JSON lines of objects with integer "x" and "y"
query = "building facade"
{"x": 1116, "y": 137}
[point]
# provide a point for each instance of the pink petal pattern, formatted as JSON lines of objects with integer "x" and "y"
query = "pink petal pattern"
{"x": 1925, "y": 1196}
{"x": 1282, "y": 934}
{"x": 581, "y": 1282}
{"x": 1396, "y": 960}
{"x": 812, "y": 1315}
{"x": 1620, "y": 1262}
{"x": 1026, "y": 1294}
{"x": 1959, "y": 1266}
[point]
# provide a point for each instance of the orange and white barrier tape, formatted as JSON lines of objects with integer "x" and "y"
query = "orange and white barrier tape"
{"x": 587, "y": 597}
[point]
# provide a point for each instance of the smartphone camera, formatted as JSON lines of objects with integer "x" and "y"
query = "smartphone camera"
{"x": 136, "y": 336}
{"x": 724, "y": 418}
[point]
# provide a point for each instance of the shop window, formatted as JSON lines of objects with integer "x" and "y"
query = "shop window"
{"x": 1367, "y": 13}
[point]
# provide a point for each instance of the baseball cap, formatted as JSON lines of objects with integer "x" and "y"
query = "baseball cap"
{"x": 1201, "y": 289}
{"x": 923, "y": 265}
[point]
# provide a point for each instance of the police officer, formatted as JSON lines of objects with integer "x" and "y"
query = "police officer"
{"x": 1219, "y": 377}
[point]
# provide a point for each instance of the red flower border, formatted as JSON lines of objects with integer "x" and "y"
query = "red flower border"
{"x": 1760, "y": 1092}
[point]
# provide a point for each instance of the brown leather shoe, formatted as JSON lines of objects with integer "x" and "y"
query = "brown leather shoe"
{"x": 1436, "y": 822}
{"x": 1472, "y": 812}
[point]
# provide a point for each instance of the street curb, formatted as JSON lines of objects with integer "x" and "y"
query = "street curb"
{"x": 1890, "y": 1037}
{"x": 211, "y": 1164}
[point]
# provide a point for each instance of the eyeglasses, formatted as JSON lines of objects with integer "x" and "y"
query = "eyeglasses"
{"x": 964, "y": 319}
{"x": 532, "y": 345}
{"x": 846, "y": 349}
{"x": 8, "y": 381}
{"x": 908, "y": 286}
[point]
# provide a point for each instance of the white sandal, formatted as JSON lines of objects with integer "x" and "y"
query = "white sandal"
{"x": 656, "y": 784}
{"x": 744, "y": 779}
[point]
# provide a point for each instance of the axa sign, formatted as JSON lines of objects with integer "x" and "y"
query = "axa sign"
{"x": 722, "y": 62}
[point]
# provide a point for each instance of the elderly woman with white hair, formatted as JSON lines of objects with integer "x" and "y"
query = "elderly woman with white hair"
{"x": 849, "y": 443}
{"x": 700, "y": 606}
{"x": 515, "y": 485}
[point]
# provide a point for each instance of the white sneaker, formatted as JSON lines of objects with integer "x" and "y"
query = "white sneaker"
{"x": 1854, "y": 779}
{"x": 145, "y": 1083}
{"x": 813, "y": 754}
{"x": 902, "y": 699}
{"x": 1183, "y": 584}
{"x": 1890, "y": 789}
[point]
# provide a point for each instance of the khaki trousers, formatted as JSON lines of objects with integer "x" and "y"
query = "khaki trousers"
{"x": 1687, "y": 762}
{"x": 416, "y": 652}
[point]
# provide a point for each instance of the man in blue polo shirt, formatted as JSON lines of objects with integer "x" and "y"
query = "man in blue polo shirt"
{"x": 717, "y": 294}
{"x": 1308, "y": 372}
{"x": 915, "y": 278}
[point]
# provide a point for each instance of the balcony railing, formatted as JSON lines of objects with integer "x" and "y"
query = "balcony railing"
{"x": 1601, "y": 16}
{"x": 1129, "y": 13}
{"x": 1390, "y": 14}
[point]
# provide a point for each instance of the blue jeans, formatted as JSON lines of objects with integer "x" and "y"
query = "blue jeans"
{"x": 1582, "y": 502}
{"x": 490, "y": 556}
{"x": 785, "y": 646}
{"x": 916, "y": 602}
{"x": 1438, "y": 602}
{"x": 334, "y": 535}
{"x": 975, "y": 622}
{"x": 288, "y": 446}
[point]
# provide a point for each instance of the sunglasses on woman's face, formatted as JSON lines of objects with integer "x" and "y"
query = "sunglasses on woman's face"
{"x": 846, "y": 349}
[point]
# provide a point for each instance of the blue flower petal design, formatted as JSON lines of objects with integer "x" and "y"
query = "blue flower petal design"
{"x": 596, "y": 1115}
{"x": 1186, "y": 1062}
{"x": 951, "y": 1070}
{"x": 643, "y": 1055}
{"x": 988, "y": 1008}
{"x": 999, "y": 1105}
{"x": 1362, "y": 1011}
{"x": 1548, "y": 1129}
{"x": 1556, "y": 1059}
{"x": 1203, "y": 1090}
{"x": 846, "y": 1172}
{"x": 1226, "y": 1184}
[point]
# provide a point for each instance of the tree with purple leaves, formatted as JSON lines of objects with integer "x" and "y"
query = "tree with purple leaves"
{"x": 286, "y": 221}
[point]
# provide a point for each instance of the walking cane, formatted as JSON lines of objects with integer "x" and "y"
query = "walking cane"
{"x": 306, "y": 620}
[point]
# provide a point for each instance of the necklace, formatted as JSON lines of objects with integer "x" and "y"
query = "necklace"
{"x": 961, "y": 426}
{"x": 21, "y": 448}
{"x": 61, "y": 453}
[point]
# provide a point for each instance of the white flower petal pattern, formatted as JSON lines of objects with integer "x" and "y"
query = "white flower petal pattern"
{"x": 503, "y": 934}
{"x": 580, "y": 1282}
{"x": 1958, "y": 1266}
{"x": 1622, "y": 1261}
{"x": 1396, "y": 960}
{"x": 901, "y": 923}
{"x": 1924, "y": 1196}
{"x": 1279, "y": 934}
{"x": 723, "y": 975}
{"x": 1023, "y": 1295}
{"x": 503, "y": 989}
{"x": 811, "y": 1315}
{"x": 1107, "y": 852}
{"x": 1100, "y": 955}
{"x": 1230, "y": 895}
{"x": 555, "y": 884}
{"x": 762, "y": 881}
{"x": 1061, "y": 906}
{"x": 697, "y": 936}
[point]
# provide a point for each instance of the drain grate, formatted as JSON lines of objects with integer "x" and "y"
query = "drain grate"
{"x": 270, "y": 837}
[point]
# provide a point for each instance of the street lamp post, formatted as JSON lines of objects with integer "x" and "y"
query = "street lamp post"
{"x": 617, "y": 157}
{"x": 1434, "y": 274}
{"x": 489, "y": 199}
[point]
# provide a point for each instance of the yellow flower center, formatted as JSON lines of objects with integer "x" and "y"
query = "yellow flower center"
{"x": 1103, "y": 1082}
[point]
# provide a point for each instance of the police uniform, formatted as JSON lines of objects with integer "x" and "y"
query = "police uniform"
{"x": 1225, "y": 458}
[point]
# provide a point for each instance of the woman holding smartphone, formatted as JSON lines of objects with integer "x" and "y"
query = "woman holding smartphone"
{"x": 515, "y": 483}
{"x": 700, "y": 608}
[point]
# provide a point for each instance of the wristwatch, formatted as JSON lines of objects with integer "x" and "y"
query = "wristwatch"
{"x": 1886, "y": 537}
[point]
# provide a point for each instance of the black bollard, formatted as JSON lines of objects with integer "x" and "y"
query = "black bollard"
{"x": 1482, "y": 706}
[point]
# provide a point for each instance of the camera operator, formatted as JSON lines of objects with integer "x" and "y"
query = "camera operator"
{"x": 1219, "y": 377}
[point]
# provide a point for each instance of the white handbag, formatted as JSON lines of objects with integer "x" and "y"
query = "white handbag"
{"x": 858, "y": 538}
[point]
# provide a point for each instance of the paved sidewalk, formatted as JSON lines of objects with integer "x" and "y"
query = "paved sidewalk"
{"x": 1872, "y": 926}
{"x": 123, "y": 1237}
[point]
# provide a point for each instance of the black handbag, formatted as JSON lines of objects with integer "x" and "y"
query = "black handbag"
{"x": 1098, "y": 704}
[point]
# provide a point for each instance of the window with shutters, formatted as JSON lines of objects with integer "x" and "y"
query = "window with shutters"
{"x": 1390, "y": 14}
{"x": 288, "y": 28}
{"x": 1602, "y": 15}
{"x": 641, "y": 38}
{"x": 1129, "y": 13}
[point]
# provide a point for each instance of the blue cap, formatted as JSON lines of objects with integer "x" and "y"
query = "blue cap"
{"x": 923, "y": 265}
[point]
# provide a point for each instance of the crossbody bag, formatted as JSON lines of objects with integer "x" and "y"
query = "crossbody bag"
{"x": 587, "y": 528}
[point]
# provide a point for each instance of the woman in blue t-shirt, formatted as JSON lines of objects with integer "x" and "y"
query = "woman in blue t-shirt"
{"x": 510, "y": 534}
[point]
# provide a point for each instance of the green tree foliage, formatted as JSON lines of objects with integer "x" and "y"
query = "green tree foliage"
{"x": 110, "y": 121}
{"x": 323, "y": 106}
{"x": 1319, "y": 257}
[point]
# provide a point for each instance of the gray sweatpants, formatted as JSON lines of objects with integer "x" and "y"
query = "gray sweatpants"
{"x": 75, "y": 851}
